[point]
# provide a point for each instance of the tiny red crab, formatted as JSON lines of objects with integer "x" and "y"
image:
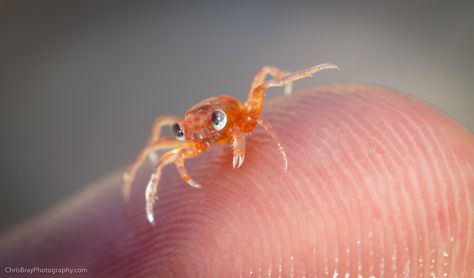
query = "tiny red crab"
{"x": 217, "y": 120}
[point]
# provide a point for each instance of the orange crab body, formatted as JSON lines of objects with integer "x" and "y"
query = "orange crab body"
{"x": 217, "y": 120}
{"x": 198, "y": 128}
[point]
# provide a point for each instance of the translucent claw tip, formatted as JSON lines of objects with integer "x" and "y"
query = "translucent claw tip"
{"x": 194, "y": 184}
{"x": 235, "y": 162}
{"x": 150, "y": 217}
{"x": 241, "y": 161}
{"x": 331, "y": 66}
{"x": 150, "y": 197}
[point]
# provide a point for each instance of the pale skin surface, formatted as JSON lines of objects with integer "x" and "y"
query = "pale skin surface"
{"x": 377, "y": 184}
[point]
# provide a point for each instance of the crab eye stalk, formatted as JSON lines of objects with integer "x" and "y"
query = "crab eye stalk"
{"x": 177, "y": 132}
{"x": 218, "y": 119}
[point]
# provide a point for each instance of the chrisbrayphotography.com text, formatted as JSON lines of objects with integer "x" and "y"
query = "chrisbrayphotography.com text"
{"x": 44, "y": 270}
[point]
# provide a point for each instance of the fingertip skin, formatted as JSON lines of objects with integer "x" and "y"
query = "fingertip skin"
{"x": 378, "y": 185}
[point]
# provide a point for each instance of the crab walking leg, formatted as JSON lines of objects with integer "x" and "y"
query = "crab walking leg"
{"x": 238, "y": 144}
{"x": 158, "y": 124}
{"x": 278, "y": 82}
{"x": 179, "y": 162}
{"x": 272, "y": 71}
{"x": 168, "y": 142}
{"x": 152, "y": 186}
{"x": 269, "y": 129}
{"x": 255, "y": 101}
{"x": 154, "y": 145}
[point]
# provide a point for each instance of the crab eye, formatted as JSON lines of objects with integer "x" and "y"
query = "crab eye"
{"x": 177, "y": 132}
{"x": 218, "y": 119}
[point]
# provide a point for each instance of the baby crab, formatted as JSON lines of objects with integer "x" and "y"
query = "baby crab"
{"x": 217, "y": 120}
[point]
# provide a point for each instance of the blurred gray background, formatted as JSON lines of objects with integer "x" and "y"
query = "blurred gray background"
{"x": 81, "y": 82}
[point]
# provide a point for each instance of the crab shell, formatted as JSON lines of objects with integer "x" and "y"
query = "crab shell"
{"x": 197, "y": 124}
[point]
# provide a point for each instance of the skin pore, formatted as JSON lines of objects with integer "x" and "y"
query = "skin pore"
{"x": 378, "y": 184}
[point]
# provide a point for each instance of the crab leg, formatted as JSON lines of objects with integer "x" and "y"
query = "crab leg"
{"x": 152, "y": 186}
{"x": 254, "y": 102}
{"x": 177, "y": 156}
{"x": 238, "y": 144}
{"x": 179, "y": 162}
{"x": 163, "y": 143}
{"x": 159, "y": 123}
{"x": 154, "y": 145}
{"x": 264, "y": 72}
{"x": 269, "y": 129}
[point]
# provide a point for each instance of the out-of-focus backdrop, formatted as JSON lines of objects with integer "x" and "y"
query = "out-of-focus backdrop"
{"x": 81, "y": 82}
